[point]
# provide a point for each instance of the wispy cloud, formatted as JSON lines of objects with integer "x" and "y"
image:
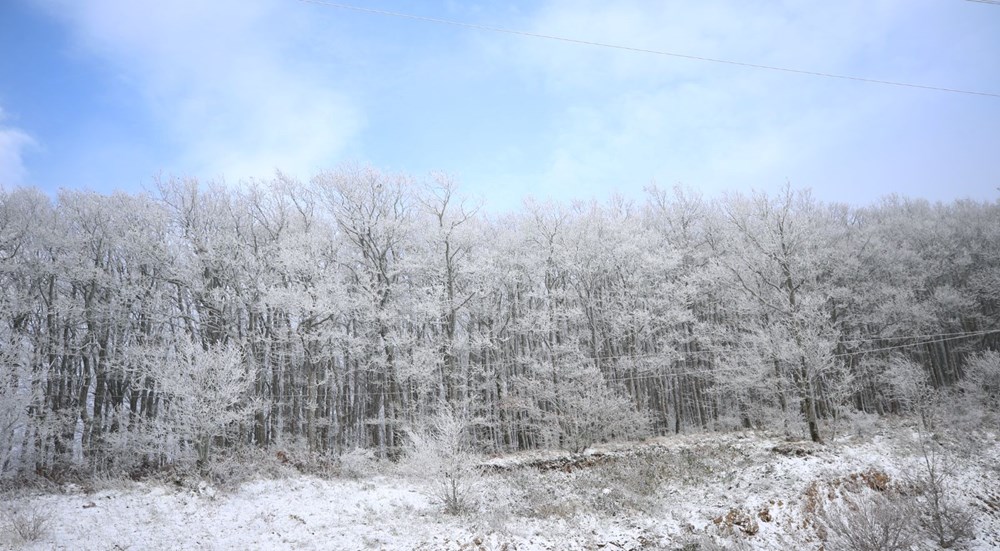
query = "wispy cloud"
{"x": 236, "y": 89}
{"x": 630, "y": 117}
{"x": 13, "y": 143}
{"x": 222, "y": 81}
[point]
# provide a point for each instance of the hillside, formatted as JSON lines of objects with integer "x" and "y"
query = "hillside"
{"x": 744, "y": 490}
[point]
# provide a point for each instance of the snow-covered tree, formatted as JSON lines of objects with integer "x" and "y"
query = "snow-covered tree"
{"x": 776, "y": 251}
{"x": 206, "y": 393}
{"x": 355, "y": 304}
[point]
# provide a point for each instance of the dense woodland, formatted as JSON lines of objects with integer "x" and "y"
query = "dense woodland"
{"x": 153, "y": 328}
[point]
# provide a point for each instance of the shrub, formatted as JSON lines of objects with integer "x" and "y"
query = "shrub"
{"x": 869, "y": 522}
{"x": 27, "y": 523}
{"x": 593, "y": 413}
{"x": 357, "y": 463}
{"x": 982, "y": 380}
{"x": 442, "y": 456}
{"x": 948, "y": 521}
{"x": 206, "y": 394}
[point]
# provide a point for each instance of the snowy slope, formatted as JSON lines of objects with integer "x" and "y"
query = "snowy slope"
{"x": 737, "y": 490}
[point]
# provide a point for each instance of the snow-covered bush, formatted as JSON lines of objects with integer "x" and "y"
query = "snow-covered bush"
{"x": 860, "y": 424}
{"x": 644, "y": 472}
{"x": 542, "y": 495}
{"x": 27, "y": 524}
{"x": 234, "y": 467}
{"x": 871, "y": 521}
{"x": 591, "y": 412}
{"x": 357, "y": 463}
{"x": 947, "y": 520}
{"x": 443, "y": 458}
{"x": 137, "y": 452}
{"x": 909, "y": 389}
{"x": 982, "y": 380}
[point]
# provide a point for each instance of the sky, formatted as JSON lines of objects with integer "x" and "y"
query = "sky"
{"x": 110, "y": 94}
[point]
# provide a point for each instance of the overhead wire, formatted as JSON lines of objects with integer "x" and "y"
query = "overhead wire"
{"x": 905, "y": 337}
{"x": 922, "y": 343}
{"x": 503, "y": 30}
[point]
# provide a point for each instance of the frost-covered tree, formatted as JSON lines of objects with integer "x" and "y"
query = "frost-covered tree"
{"x": 982, "y": 382}
{"x": 374, "y": 213}
{"x": 444, "y": 260}
{"x": 16, "y": 397}
{"x": 359, "y": 302}
{"x": 206, "y": 393}
{"x": 776, "y": 252}
{"x": 441, "y": 453}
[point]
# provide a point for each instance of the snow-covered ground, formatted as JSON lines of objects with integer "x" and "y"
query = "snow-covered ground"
{"x": 700, "y": 491}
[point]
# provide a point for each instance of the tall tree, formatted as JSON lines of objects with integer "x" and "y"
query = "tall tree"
{"x": 373, "y": 212}
{"x": 777, "y": 256}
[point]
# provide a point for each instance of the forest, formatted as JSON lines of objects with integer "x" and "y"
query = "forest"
{"x": 141, "y": 330}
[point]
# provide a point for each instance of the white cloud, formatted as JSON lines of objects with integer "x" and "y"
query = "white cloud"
{"x": 239, "y": 88}
{"x": 222, "y": 81}
{"x": 13, "y": 143}
{"x": 628, "y": 117}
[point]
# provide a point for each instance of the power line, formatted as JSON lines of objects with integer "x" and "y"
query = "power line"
{"x": 502, "y": 30}
{"x": 994, "y": 2}
{"x": 926, "y": 336}
{"x": 934, "y": 341}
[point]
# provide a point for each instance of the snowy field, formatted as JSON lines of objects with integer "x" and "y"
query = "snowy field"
{"x": 702, "y": 491}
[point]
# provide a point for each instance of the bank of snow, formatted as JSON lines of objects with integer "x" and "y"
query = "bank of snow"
{"x": 737, "y": 490}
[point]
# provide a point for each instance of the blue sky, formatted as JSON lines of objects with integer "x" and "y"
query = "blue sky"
{"x": 108, "y": 94}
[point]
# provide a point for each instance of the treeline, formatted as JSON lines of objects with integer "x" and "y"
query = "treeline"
{"x": 144, "y": 329}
